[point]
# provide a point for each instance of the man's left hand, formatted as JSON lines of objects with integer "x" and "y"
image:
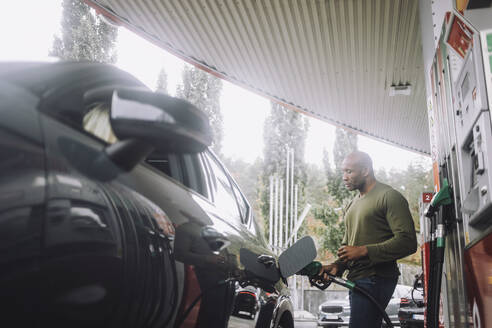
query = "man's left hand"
{"x": 351, "y": 253}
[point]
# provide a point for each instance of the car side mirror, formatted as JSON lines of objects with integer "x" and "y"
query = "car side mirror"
{"x": 167, "y": 123}
{"x": 144, "y": 121}
{"x": 418, "y": 283}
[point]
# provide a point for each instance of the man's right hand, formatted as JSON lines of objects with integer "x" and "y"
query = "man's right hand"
{"x": 328, "y": 269}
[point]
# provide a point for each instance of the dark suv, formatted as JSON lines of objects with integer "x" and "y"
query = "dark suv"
{"x": 113, "y": 211}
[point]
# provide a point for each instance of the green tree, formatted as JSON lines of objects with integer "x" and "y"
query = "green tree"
{"x": 330, "y": 212}
{"x": 248, "y": 177}
{"x": 411, "y": 182}
{"x": 283, "y": 128}
{"x": 161, "y": 85}
{"x": 203, "y": 90}
{"x": 315, "y": 190}
{"x": 84, "y": 35}
{"x": 345, "y": 143}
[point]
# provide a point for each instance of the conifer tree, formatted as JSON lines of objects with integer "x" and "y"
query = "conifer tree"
{"x": 162, "y": 82}
{"x": 283, "y": 128}
{"x": 203, "y": 90}
{"x": 330, "y": 212}
{"x": 85, "y": 36}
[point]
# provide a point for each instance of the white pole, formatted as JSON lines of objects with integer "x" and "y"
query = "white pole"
{"x": 302, "y": 294}
{"x": 281, "y": 216}
{"x": 287, "y": 178}
{"x": 299, "y": 222}
{"x": 270, "y": 220}
{"x": 299, "y": 304}
{"x": 295, "y": 204}
{"x": 275, "y": 233}
{"x": 292, "y": 223}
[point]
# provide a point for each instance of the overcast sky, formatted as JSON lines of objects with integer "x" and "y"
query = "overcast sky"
{"x": 26, "y": 33}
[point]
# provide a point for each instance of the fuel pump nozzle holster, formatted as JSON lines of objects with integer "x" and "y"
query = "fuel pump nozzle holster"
{"x": 443, "y": 197}
{"x": 439, "y": 214}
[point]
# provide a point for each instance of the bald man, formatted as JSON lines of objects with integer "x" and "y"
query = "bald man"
{"x": 379, "y": 230}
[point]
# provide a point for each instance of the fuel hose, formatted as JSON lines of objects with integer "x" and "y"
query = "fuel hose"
{"x": 353, "y": 287}
{"x": 312, "y": 271}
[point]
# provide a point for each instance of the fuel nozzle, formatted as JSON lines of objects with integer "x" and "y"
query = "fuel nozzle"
{"x": 443, "y": 197}
{"x": 312, "y": 271}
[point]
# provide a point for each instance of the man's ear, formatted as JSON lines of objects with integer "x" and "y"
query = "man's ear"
{"x": 365, "y": 171}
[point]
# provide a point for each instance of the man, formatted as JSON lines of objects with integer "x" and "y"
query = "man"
{"x": 379, "y": 230}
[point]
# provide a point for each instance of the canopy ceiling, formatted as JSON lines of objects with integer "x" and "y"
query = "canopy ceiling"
{"x": 332, "y": 59}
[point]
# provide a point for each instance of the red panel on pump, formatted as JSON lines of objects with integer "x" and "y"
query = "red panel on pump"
{"x": 425, "y": 248}
{"x": 478, "y": 277}
{"x": 460, "y": 37}
{"x": 425, "y": 267}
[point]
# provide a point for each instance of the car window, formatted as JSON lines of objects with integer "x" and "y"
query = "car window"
{"x": 166, "y": 163}
{"x": 242, "y": 203}
{"x": 194, "y": 176}
{"x": 224, "y": 197}
{"x": 184, "y": 168}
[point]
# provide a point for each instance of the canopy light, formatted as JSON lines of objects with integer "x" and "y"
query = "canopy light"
{"x": 400, "y": 89}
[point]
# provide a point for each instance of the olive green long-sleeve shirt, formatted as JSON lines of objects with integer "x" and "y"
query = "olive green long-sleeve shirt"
{"x": 381, "y": 221}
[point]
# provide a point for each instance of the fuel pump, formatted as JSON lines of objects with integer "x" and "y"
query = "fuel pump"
{"x": 438, "y": 213}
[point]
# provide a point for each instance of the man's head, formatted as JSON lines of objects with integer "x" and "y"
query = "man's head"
{"x": 357, "y": 171}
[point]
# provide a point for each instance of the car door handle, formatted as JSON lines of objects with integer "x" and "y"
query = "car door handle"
{"x": 215, "y": 240}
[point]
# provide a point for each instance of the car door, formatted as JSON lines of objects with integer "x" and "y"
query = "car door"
{"x": 102, "y": 230}
{"x": 233, "y": 209}
{"x": 198, "y": 228}
{"x": 82, "y": 234}
{"x": 209, "y": 211}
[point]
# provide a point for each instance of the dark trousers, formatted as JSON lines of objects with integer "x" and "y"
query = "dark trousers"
{"x": 363, "y": 313}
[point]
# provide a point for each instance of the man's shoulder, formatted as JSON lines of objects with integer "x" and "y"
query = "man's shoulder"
{"x": 390, "y": 194}
{"x": 383, "y": 188}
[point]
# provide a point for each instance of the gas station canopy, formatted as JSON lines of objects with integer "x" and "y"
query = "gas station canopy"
{"x": 353, "y": 63}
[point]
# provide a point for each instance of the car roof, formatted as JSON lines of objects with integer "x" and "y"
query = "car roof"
{"x": 62, "y": 85}
{"x": 40, "y": 77}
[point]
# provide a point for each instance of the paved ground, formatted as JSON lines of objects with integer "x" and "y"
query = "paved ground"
{"x": 304, "y": 319}
{"x": 305, "y": 324}
{"x": 235, "y": 322}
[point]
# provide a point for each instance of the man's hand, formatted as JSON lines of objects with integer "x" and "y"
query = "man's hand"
{"x": 218, "y": 261}
{"x": 329, "y": 268}
{"x": 215, "y": 259}
{"x": 351, "y": 253}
